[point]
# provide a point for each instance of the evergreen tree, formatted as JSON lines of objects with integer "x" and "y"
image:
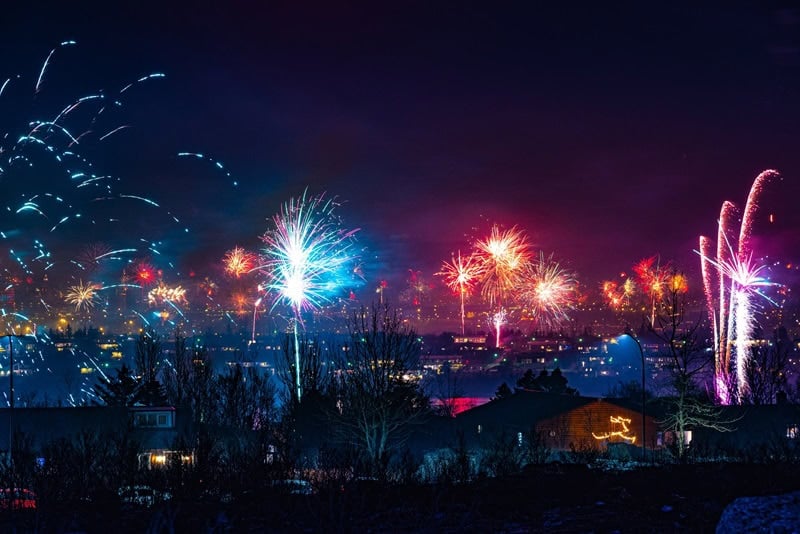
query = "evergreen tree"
{"x": 148, "y": 356}
{"x": 122, "y": 390}
{"x": 503, "y": 392}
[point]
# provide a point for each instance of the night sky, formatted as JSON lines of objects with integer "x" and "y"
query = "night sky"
{"x": 608, "y": 134}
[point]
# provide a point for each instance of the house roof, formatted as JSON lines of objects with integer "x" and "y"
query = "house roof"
{"x": 531, "y": 406}
{"x": 44, "y": 425}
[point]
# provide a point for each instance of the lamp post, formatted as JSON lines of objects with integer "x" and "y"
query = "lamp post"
{"x": 644, "y": 438}
{"x": 10, "y": 391}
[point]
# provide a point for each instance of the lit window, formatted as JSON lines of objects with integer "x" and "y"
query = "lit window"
{"x": 519, "y": 439}
{"x": 792, "y": 431}
{"x": 480, "y": 429}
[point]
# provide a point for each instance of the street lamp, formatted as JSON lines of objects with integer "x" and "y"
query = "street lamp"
{"x": 11, "y": 387}
{"x": 644, "y": 439}
{"x": 11, "y": 392}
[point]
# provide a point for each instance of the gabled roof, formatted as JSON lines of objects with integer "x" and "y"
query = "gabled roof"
{"x": 532, "y": 405}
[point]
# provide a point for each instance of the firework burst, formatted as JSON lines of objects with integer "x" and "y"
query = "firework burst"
{"x": 145, "y": 274}
{"x": 82, "y": 295}
{"x": 653, "y": 278}
{"x": 460, "y": 275}
{"x": 549, "y": 291}
{"x": 501, "y": 257}
{"x": 307, "y": 257}
{"x": 164, "y": 294}
{"x": 618, "y": 295}
{"x": 239, "y": 261}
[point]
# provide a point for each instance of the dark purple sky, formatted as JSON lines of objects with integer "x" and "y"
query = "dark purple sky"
{"x": 608, "y": 133}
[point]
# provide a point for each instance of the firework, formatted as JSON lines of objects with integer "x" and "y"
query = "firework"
{"x": 677, "y": 283}
{"x": 460, "y": 276}
{"x": 90, "y": 257}
{"x": 652, "y": 278}
{"x": 307, "y": 255}
{"x": 82, "y": 295}
{"x": 240, "y": 302}
{"x": 163, "y": 294}
{"x": 501, "y": 258}
{"x": 549, "y": 290}
{"x": 145, "y": 274}
{"x": 738, "y": 279}
{"x": 618, "y": 295}
{"x": 217, "y": 164}
{"x": 239, "y": 261}
{"x": 417, "y": 289}
{"x": 382, "y": 285}
{"x": 498, "y": 320}
{"x": 208, "y": 287}
{"x": 53, "y": 196}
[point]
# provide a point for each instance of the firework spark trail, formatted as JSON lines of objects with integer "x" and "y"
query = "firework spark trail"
{"x": 47, "y": 62}
{"x": 726, "y": 215}
{"x": 549, "y": 290}
{"x": 498, "y": 320}
{"x": 750, "y": 209}
{"x": 746, "y": 281}
{"x": 218, "y": 164}
{"x": 710, "y": 279}
{"x": 460, "y": 276}
{"x": 306, "y": 257}
{"x": 73, "y": 207}
{"x": 738, "y": 279}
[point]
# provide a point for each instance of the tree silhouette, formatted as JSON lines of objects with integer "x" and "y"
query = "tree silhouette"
{"x": 378, "y": 404}
{"x": 502, "y": 392}
{"x": 148, "y": 356}
{"x": 554, "y": 382}
{"x": 122, "y": 390}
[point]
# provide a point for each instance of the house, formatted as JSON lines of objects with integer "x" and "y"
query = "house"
{"x": 563, "y": 422}
{"x": 163, "y": 434}
{"x": 566, "y": 422}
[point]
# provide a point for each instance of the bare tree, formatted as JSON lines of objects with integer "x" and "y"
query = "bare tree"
{"x": 247, "y": 398}
{"x": 315, "y": 375}
{"x": 766, "y": 369}
{"x": 689, "y": 408}
{"x": 189, "y": 379}
{"x": 148, "y": 354}
{"x": 178, "y": 374}
{"x": 445, "y": 387}
{"x": 377, "y": 401}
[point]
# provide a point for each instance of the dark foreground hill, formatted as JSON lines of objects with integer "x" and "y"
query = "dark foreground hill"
{"x": 551, "y": 498}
